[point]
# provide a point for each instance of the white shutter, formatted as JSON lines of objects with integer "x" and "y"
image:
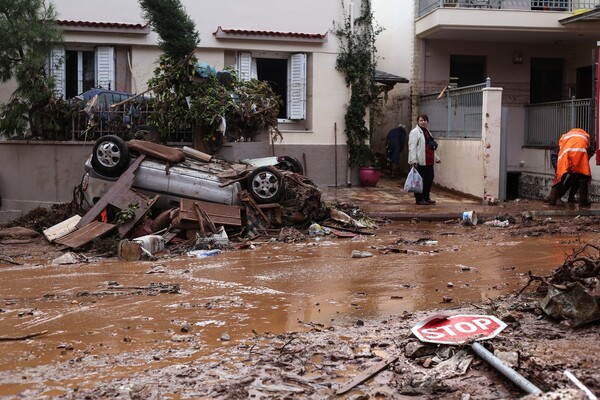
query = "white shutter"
{"x": 296, "y": 92}
{"x": 244, "y": 66}
{"x": 105, "y": 67}
{"x": 56, "y": 69}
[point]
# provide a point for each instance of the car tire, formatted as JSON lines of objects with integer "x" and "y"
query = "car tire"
{"x": 265, "y": 185}
{"x": 110, "y": 156}
{"x": 289, "y": 163}
{"x": 148, "y": 133}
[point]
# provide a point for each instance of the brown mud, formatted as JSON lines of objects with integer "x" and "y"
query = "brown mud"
{"x": 292, "y": 320}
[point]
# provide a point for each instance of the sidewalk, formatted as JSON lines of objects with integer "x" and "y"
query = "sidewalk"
{"x": 389, "y": 200}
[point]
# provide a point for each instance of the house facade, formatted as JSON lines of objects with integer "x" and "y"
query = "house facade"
{"x": 540, "y": 55}
{"x": 109, "y": 44}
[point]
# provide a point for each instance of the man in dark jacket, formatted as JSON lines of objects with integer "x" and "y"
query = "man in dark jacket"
{"x": 394, "y": 144}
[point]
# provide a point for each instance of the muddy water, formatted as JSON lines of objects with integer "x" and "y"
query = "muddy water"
{"x": 104, "y": 309}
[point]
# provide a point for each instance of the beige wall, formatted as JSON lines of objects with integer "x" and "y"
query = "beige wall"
{"x": 41, "y": 173}
{"x": 38, "y": 174}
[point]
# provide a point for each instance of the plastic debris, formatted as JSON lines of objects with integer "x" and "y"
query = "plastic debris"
{"x": 204, "y": 253}
{"x": 318, "y": 230}
{"x": 361, "y": 254}
{"x": 498, "y": 223}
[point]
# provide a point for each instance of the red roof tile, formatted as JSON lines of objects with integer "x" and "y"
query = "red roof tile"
{"x": 92, "y": 24}
{"x": 271, "y": 35}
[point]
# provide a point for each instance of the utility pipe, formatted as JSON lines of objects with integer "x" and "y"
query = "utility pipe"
{"x": 507, "y": 371}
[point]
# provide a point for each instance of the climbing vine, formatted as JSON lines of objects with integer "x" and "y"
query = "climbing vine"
{"x": 357, "y": 61}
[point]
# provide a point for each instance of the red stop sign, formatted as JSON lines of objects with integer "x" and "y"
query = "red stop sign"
{"x": 457, "y": 329}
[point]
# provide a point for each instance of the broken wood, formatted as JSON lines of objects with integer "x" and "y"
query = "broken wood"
{"x": 25, "y": 337}
{"x": 219, "y": 214}
{"x": 366, "y": 375}
{"x": 85, "y": 234}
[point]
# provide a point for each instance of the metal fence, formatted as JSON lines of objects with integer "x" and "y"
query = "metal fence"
{"x": 455, "y": 113}
{"x": 546, "y": 122}
{"x": 426, "y": 6}
{"x": 123, "y": 121}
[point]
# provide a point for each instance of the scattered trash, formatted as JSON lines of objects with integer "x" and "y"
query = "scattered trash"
{"x": 469, "y": 218}
{"x": 573, "y": 303}
{"x": 497, "y": 223}
{"x": 429, "y": 243}
{"x": 204, "y": 253}
{"x": 361, "y": 254}
{"x": 318, "y": 230}
{"x": 69, "y": 258}
{"x": 62, "y": 228}
{"x": 216, "y": 239}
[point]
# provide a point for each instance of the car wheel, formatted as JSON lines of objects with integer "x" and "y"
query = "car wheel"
{"x": 265, "y": 185}
{"x": 110, "y": 156}
{"x": 148, "y": 133}
{"x": 288, "y": 163}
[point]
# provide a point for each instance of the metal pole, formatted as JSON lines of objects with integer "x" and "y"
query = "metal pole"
{"x": 507, "y": 371}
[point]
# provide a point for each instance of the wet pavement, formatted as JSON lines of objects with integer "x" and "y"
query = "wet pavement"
{"x": 115, "y": 312}
{"x": 388, "y": 199}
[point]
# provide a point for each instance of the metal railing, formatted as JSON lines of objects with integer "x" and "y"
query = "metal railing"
{"x": 546, "y": 122}
{"x": 456, "y": 113}
{"x": 427, "y": 6}
{"x": 121, "y": 121}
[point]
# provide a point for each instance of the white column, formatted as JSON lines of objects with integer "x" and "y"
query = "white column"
{"x": 491, "y": 125}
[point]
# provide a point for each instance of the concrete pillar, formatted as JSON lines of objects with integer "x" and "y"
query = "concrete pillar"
{"x": 491, "y": 125}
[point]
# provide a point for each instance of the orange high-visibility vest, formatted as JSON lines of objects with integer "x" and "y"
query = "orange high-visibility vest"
{"x": 573, "y": 156}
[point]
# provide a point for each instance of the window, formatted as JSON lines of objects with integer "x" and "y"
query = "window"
{"x": 470, "y": 70}
{"x": 76, "y": 71}
{"x": 546, "y": 80}
{"x": 286, "y": 75}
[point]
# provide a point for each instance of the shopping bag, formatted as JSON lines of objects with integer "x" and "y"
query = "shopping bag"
{"x": 414, "y": 182}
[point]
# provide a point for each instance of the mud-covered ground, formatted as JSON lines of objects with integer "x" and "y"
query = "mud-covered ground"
{"x": 357, "y": 359}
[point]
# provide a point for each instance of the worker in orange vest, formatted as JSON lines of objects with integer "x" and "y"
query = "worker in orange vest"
{"x": 573, "y": 164}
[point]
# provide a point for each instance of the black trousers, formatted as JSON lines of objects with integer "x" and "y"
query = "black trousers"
{"x": 426, "y": 172}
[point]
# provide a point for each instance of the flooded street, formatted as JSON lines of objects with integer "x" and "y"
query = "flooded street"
{"x": 136, "y": 316}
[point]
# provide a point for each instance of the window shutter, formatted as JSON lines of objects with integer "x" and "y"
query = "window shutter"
{"x": 105, "y": 67}
{"x": 244, "y": 66}
{"x": 296, "y": 93}
{"x": 56, "y": 69}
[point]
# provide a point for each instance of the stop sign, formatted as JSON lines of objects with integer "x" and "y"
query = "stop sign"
{"x": 457, "y": 329}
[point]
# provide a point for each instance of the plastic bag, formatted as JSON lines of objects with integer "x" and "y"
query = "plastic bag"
{"x": 414, "y": 182}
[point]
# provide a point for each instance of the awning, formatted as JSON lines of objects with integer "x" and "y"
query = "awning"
{"x": 590, "y": 15}
{"x": 388, "y": 80}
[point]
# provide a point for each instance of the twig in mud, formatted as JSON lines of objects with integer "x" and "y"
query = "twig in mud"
{"x": 285, "y": 344}
{"x": 25, "y": 337}
{"x": 9, "y": 259}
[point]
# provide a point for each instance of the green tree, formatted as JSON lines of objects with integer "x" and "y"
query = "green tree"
{"x": 177, "y": 31}
{"x": 189, "y": 94}
{"x": 28, "y": 32}
{"x": 357, "y": 61}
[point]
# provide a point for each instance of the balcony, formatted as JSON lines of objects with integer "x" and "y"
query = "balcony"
{"x": 534, "y": 21}
{"x": 427, "y": 6}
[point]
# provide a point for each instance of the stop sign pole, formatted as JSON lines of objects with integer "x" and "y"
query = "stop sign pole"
{"x": 462, "y": 329}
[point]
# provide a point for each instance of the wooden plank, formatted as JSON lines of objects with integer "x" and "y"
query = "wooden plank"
{"x": 220, "y": 214}
{"x": 124, "y": 182}
{"x": 366, "y": 375}
{"x": 86, "y": 234}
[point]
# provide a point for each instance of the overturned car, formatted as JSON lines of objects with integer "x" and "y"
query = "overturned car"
{"x": 176, "y": 174}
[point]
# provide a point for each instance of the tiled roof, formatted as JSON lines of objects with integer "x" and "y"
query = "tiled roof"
{"x": 386, "y": 77}
{"x": 268, "y": 35}
{"x": 102, "y": 25}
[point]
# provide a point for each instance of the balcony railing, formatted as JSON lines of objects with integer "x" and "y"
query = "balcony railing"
{"x": 427, "y": 6}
